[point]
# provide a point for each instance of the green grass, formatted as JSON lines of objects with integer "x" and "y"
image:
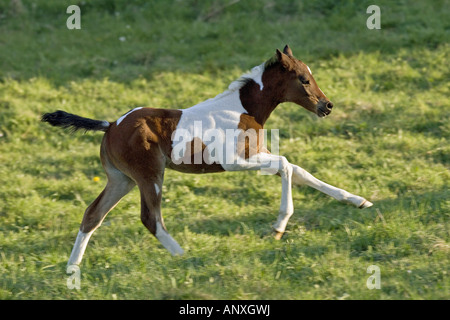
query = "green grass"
{"x": 387, "y": 140}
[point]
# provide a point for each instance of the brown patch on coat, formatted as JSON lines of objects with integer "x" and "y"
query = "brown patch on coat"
{"x": 141, "y": 145}
{"x": 251, "y": 138}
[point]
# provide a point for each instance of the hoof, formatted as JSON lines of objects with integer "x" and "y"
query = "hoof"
{"x": 366, "y": 204}
{"x": 278, "y": 235}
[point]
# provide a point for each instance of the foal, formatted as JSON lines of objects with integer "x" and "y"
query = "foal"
{"x": 138, "y": 147}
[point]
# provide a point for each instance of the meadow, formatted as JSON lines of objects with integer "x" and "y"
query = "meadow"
{"x": 386, "y": 140}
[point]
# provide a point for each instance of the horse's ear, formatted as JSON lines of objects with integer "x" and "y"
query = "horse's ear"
{"x": 284, "y": 59}
{"x": 288, "y": 51}
{"x": 279, "y": 55}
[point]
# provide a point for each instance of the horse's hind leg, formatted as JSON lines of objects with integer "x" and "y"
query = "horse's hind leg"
{"x": 150, "y": 185}
{"x": 151, "y": 215}
{"x": 301, "y": 176}
{"x": 118, "y": 186}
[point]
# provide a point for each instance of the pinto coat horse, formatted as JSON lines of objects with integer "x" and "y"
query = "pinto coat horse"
{"x": 138, "y": 147}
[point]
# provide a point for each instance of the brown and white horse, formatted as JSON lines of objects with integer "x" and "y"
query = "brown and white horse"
{"x": 140, "y": 145}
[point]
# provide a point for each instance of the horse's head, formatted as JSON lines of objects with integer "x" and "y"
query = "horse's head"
{"x": 298, "y": 84}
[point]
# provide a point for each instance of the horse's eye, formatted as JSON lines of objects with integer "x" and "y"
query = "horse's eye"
{"x": 303, "y": 80}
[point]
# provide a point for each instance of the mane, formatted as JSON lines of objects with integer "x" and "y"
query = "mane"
{"x": 270, "y": 62}
{"x": 255, "y": 74}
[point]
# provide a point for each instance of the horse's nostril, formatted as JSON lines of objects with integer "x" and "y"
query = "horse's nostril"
{"x": 329, "y": 105}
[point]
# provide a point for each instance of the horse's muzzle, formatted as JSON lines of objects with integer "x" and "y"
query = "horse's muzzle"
{"x": 324, "y": 109}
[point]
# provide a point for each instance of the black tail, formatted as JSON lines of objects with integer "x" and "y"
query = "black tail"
{"x": 73, "y": 122}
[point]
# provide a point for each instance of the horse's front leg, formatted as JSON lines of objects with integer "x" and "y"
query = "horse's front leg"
{"x": 273, "y": 164}
{"x": 287, "y": 205}
{"x": 303, "y": 177}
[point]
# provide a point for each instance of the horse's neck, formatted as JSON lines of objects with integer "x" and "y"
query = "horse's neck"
{"x": 246, "y": 95}
{"x": 258, "y": 103}
{"x": 248, "y": 100}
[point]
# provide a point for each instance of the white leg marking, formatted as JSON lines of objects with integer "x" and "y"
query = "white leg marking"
{"x": 301, "y": 176}
{"x": 79, "y": 247}
{"x": 157, "y": 189}
{"x": 287, "y": 205}
{"x": 167, "y": 241}
{"x": 366, "y": 204}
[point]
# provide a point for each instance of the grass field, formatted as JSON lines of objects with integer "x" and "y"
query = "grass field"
{"x": 387, "y": 140}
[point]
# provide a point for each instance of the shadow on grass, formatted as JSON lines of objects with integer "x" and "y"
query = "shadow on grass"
{"x": 359, "y": 230}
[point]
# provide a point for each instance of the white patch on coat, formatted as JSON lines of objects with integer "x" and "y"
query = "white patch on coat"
{"x": 157, "y": 189}
{"x": 255, "y": 74}
{"x": 125, "y": 115}
{"x": 214, "y": 117}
